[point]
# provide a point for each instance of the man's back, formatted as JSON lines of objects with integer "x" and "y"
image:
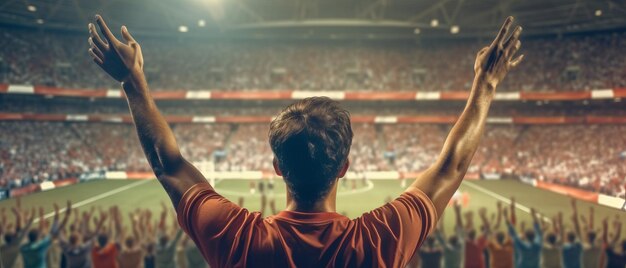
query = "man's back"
{"x": 77, "y": 256}
{"x": 166, "y": 256}
{"x": 591, "y": 255}
{"x": 501, "y": 255}
{"x": 430, "y": 257}
{"x": 572, "y": 253}
{"x": 34, "y": 254}
{"x": 551, "y": 256}
{"x": 232, "y": 236}
{"x": 131, "y": 257}
{"x": 105, "y": 257}
{"x": 8, "y": 254}
{"x": 530, "y": 254}
{"x": 474, "y": 252}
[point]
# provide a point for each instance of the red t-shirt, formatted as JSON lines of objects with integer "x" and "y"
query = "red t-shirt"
{"x": 474, "y": 256}
{"x": 231, "y": 236}
{"x": 105, "y": 257}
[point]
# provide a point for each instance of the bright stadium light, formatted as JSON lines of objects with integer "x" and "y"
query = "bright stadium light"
{"x": 454, "y": 29}
{"x": 417, "y": 31}
{"x": 201, "y": 23}
{"x": 39, "y": 21}
{"x": 598, "y": 12}
{"x": 434, "y": 23}
{"x": 183, "y": 29}
{"x": 31, "y": 8}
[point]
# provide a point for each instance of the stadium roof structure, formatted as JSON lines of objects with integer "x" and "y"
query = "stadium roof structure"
{"x": 331, "y": 19}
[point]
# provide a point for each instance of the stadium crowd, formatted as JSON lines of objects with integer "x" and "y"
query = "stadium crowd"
{"x": 99, "y": 239}
{"x": 549, "y": 242}
{"x": 567, "y": 63}
{"x": 104, "y": 238}
{"x": 592, "y": 157}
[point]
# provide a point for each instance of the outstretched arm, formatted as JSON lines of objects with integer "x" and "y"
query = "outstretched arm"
{"x": 605, "y": 232}
{"x": 511, "y": 227}
{"x": 575, "y": 220}
{"x": 512, "y": 208}
{"x": 537, "y": 227}
{"x": 617, "y": 225}
{"x": 56, "y": 225}
{"x": 498, "y": 216}
{"x": 486, "y": 225}
{"x": 22, "y": 233}
{"x": 124, "y": 62}
{"x": 441, "y": 180}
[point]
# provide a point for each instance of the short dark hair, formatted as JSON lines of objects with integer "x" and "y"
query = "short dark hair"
{"x": 551, "y": 238}
{"x": 591, "y": 236}
{"x": 8, "y": 237}
{"x": 571, "y": 237}
{"x": 33, "y": 235}
{"x": 311, "y": 141}
{"x": 103, "y": 239}
{"x": 529, "y": 234}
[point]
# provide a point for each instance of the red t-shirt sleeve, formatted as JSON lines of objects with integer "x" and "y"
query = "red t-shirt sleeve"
{"x": 213, "y": 222}
{"x": 399, "y": 227}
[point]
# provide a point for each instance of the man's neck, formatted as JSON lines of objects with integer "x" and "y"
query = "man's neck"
{"x": 326, "y": 204}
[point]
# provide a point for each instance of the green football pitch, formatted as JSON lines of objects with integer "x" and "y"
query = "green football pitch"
{"x": 352, "y": 200}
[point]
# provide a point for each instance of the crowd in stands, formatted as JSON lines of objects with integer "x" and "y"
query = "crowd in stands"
{"x": 550, "y": 241}
{"x": 568, "y": 63}
{"x": 105, "y": 238}
{"x": 37, "y": 105}
{"x": 592, "y": 157}
{"x": 99, "y": 239}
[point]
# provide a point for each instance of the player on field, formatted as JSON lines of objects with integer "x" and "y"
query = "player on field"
{"x": 311, "y": 142}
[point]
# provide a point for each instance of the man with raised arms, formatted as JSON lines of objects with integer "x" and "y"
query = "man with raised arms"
{"x": 311, "y": 142}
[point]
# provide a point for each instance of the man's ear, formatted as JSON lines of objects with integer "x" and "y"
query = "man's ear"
{"x": 344, "y": 169}
{"x": 276, "y": 169}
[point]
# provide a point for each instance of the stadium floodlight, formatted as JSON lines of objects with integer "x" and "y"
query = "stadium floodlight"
{"x": 31, "y": 8}
{"x": 183, "y": 29}
{"x": 39, "y": 21}
{"x": 455, "y": 29}
{"x": 598, "y": 12}
{"x": 417, "y": 31}
{"x": 434, "y": 23}
{"x": 201, "y": 23}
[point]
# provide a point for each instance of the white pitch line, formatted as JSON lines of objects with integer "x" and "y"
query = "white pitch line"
{"x": 502, "y": 198}
{"x": 96, "y": 198}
